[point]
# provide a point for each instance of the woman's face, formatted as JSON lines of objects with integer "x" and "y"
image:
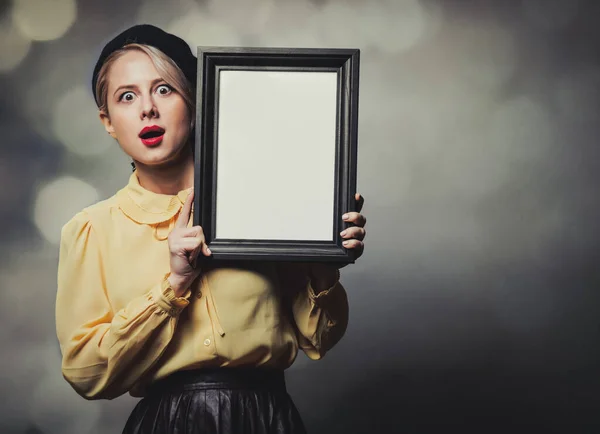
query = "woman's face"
{"x": 149, "y": 119}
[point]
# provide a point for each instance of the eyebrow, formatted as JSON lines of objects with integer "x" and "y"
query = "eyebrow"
{"x": 133, "y": 86}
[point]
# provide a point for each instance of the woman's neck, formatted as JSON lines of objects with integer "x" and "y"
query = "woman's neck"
{"x": 168, "y": 178}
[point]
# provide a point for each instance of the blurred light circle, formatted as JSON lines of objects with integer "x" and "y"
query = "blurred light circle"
{"x": 57, "y": 409}
{"x": 58, "y": 201}
{"x": 197, "y": 28}
{"x": 13, "y": 46}
{"x": 76, "y": 124}
{"x": 44, "y": 20}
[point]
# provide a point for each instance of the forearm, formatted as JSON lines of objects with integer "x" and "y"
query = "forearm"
{"x": 105, "y": 356}
{"x": 321, "y": 318}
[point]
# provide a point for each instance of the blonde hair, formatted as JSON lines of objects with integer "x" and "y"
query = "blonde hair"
{"x": 167, "y": 69}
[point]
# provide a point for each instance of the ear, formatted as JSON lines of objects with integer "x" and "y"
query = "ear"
{"x": 105, "y": 119}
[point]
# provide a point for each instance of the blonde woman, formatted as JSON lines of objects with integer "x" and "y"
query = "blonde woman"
{"x": 205, "y": 348}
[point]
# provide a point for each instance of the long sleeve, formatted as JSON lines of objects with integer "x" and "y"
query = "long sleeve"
{"x": 321, "y": 319}
{"x": 105, "y": 352}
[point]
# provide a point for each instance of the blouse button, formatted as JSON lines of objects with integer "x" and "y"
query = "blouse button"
{"x": 207, "y": 342}
{"x": 173, "y": 311}
{"x": 199, "y": 294}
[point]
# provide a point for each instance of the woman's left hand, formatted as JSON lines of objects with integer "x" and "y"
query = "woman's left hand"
{"x": 354, "y": 236}
{"x": 323, "y": 275}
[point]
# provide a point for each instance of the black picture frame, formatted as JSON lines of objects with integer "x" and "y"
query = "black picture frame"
{"x": 216, "y": 66}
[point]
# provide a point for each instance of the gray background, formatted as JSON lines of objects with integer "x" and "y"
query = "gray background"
{"x": 475, "y": 307}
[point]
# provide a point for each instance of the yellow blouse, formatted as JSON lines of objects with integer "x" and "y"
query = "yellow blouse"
{"x": 120, "y": 327}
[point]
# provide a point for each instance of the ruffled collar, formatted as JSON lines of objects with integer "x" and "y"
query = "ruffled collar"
{"x": 147, "y": 207}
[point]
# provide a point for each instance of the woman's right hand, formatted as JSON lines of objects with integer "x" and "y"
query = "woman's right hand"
{"x": 185, "y": 244}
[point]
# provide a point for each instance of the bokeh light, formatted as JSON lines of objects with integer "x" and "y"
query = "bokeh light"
{"x": 77, "y": 125}
{"x": 44, "y": 20}
{"x": 13, "y": 45}
{"x": 59, "y": 200}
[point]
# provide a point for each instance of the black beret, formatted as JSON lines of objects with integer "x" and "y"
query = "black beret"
{"x": 173, "y": 46}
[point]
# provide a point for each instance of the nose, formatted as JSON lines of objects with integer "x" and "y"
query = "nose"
{"x": 149, "y": 109}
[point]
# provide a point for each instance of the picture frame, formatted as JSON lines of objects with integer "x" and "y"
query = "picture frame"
{"x": 276, "y": 152}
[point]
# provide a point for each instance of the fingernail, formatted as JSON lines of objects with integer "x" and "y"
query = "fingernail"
{"x": 343, "y": 233}
{"x": 209, "y": 252}
{"x": 345, "y": 243}
{"x": 345, "y": 217}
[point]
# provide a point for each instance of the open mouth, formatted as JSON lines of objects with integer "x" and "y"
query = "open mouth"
{"x": 152, "y": 136}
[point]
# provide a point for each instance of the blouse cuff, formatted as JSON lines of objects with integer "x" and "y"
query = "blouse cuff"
{"x": 315, "y": 296}
{"x": 164, "y": 296}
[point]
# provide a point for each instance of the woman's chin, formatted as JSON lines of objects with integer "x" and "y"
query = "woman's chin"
{"x": 158, "y": 159}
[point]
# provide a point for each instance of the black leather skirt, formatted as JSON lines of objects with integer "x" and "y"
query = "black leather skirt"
{"x": 223, "y": 401}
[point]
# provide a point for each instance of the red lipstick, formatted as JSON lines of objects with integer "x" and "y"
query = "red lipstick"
{"x": 152, "y": 135}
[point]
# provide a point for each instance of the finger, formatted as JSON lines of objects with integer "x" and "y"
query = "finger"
{"x": 203, "y": 247}
{"x": 355, "y": 218}
{"x": 195, "y": 264}
{"x": 359, "y": 251}
{"x": 355, "y": 232}
{"x": 194, "y": 255}
{"x": 186, "y": 210}
{"x": 188, "y": 245}
{"x": 191, "y": 232}
{"x": 360, "y": 201}
{"x": 353, "y": 244}
{"x": 357, "y": 246}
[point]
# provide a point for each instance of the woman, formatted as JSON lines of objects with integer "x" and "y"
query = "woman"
{"x": 205, "y": 346}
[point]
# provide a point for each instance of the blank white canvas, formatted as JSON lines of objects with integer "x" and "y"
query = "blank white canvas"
{"x": 276, "y": 155}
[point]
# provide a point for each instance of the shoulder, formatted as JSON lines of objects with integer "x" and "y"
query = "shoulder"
{"x": 91, "y": 216}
